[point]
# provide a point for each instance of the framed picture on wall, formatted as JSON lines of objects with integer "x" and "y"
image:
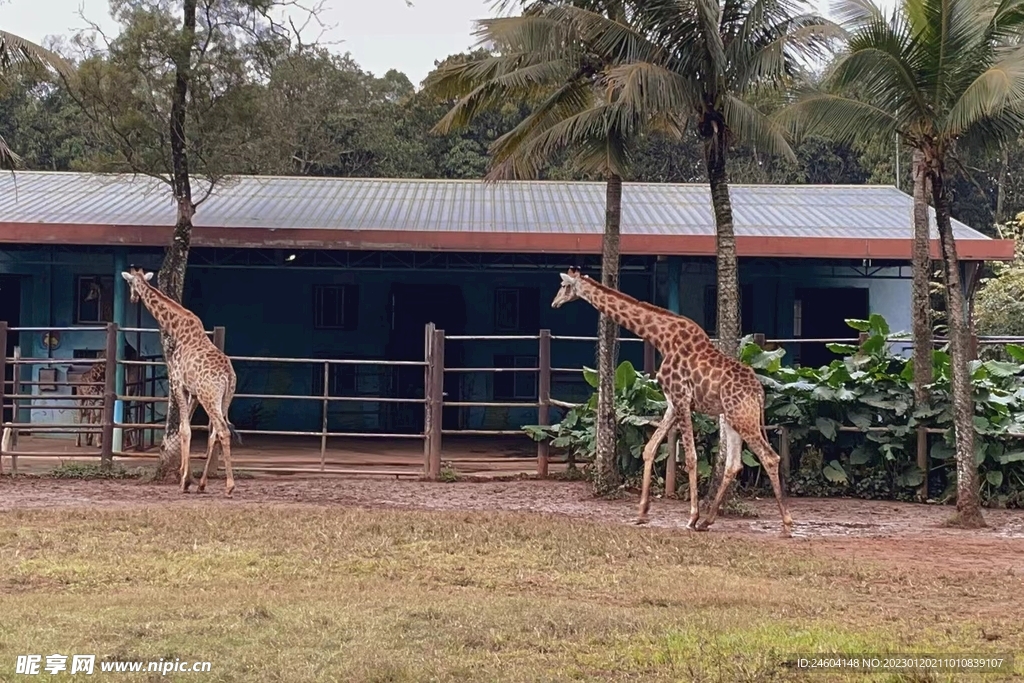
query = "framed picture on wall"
{"x": 94, "y": 299}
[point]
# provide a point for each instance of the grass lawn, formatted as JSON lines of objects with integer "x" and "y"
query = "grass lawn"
{"x": 310, "y": 593}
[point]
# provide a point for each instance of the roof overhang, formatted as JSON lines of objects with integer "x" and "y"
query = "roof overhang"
{"x": 533, "y": 242}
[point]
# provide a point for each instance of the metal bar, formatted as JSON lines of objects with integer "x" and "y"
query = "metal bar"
{"x": 342, "y": 399}
{"x": 437, "y": 404}
{"x": 218, "y": 337}
{"x": 543, "y": 398}
{"x": 3, "y": 385}
{"x": 649, "y": 359}
{"x": 61, "y": 384}
{"x": 323, "y": 427}
{"x": 139, "y": 330}
{"x": 142, "y": 399}
{"x": 489, "y": 404}
{"x": 485, "y": 432}
{"x": 56, "y": 329}
{"x": 339, "y": 471}
{"x": 566, "y": 369}
{"x": 563, "y": 404}
{"x": 54, "y": 361}
{"x": 922, "y": 462}
{"x": 49, "y": 427}
{"x": 332, "y": 361}
{"x": 491, "y": 369}
{"x": 559, "y": 337}
{"x": 491, "y": 337}
{"x": 428, "y": 340}
{"x": 109, "y": 396}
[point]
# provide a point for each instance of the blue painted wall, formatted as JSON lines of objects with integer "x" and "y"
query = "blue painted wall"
{"x": 269, "y": 313}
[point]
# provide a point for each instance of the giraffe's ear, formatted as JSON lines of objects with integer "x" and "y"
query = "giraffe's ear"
{"x": 566, "y": 278}
{"x": 148, "y": 276}
{"x": 126, "y": 276}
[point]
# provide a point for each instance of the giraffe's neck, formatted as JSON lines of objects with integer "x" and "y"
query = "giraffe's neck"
{"x": 642, "y": 319}
{"x": 170, "y": 316}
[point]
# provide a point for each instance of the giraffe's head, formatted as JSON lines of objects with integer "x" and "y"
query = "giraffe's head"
{"x": 570, "y": 289}
{"x": 137, "y": 280}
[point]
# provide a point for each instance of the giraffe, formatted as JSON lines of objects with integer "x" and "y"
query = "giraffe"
{"x": 91, "y": 401}
{"x": 196, "y": 371}
{"x": 695, "y": 375}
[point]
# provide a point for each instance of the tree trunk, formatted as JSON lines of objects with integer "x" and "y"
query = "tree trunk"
{"x": 921, "y": 308}
{"x": 968, "y": 504}
{"x": 172, "y": 273}
{"x": 728, "y": 332}
{"x": 607, "y": 476}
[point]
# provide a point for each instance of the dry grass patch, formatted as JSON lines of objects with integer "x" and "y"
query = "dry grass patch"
{"x": 301, "y": 593}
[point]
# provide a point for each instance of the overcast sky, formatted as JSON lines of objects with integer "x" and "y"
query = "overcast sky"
{"x": 380, "y": 34}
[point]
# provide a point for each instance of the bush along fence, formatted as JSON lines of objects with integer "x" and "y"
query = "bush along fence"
{"x": 846, "y": 429}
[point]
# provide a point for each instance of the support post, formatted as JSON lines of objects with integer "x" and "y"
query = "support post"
{"x": 649, "y": 360}
{"x": 675, "y": 272}
{"x": 436, "y": 404}
{"x": 109, "y": 396}
{"x": 671, "y": 463}
{"x": 219, "y": 334}
{"x": 861, "y": 338}
{"x": 784, "y": 461}
{"x": 972, "y": 347}
{"x": 922, "y": 462}
{"x": 3, "y": 387}
{"x": 543, "y": 398}
{"x": 428, "y": 356}
{"x": 120, "y": 319}
{"x": 760, "y": 340}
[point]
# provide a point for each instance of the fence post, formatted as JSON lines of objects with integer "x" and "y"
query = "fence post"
{"x": 3, "y": 387}
{"x": 436, "y": 404}
{"x": 109, "y": 396}
{"x": 649, "y": 359}
{"x": 760, "y": 340}
{"x": 784, "y": 460}
{"x": 218, "y": 337}
{"x": 861, "y": 338}
{"x": 671, "y": 463}
{"x": 972, "y": 346}
{"x": 428, "y": 358}
{"x": 323, "y": 422}
{"x": 922, "y": 461}
{"x": 543, "y": 398}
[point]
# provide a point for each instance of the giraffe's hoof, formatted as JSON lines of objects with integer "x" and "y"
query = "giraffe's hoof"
{"x": 641, "y": 520}
{"x": 702, "y": 525}
{"x": 692, "y": 525}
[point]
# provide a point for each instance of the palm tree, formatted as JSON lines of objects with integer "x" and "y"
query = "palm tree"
{"x": 16, "y": 51}
{"x": 944, "y": 75}
{"x": 543, "y": 58}
{"x": 700, "y": 63}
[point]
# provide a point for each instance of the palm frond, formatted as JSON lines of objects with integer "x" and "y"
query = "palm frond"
{"x": 835, "y": 117}
{"x": 647, "y": 89}
{"x": 995, "y": 89}
{"x": 15, "y": 49}
{"x": 755, "y": 129}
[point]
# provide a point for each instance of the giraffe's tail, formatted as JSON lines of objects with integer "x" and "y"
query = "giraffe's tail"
{"x": 234, "y": 432}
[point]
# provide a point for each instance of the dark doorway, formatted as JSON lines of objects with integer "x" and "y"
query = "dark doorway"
{"x": 10, "y": 311}
{"x": 410, "y": 308}
{"x": 822, "y": 314}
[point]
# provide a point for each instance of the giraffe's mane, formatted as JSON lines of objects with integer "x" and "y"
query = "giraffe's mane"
{"x": 169, "y": 302}
{"x": 658, "y": 310}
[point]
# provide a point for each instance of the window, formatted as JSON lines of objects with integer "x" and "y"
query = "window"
{"x": 746, "y": 309}
{"x": 335, "y": 307}
{"x": 342, "y": 377}
{"x": 517, "y": 310}
{"x": 513, "y": 386}
{"x": 94, "y": 299}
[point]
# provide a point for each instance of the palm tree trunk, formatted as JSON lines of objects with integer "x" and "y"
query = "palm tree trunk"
{"x": 968, "y": 505}
{"x": 921, "y": 308}
{"x": 728, "y": 332}
{"x": 607, "y": 475}
{"x": 172, "y": 272}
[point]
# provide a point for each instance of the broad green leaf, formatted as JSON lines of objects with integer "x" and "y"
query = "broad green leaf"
{"x": 878, "y": 326}
{"x": 625, "y": 376}
{"x": 828, "y": 427}
{"x": 1015, "y": 456}
{"x": 591, "y": 377}
{"x": 941, "y": 451}
{"x": 912, "y": 476}
{"x": 980, "y": 451}
{"x": 994, "y": 477}
{"x": 749, "y": 460}
{"x": 874, "y": 344}
{"x": 861, "y": 455}
{"x": 1002, "y": 369}
{"x": 860, "y": 418}
{"x": 1015, "y": 352}
{"x": 841, "y": 349}
{"x": 834, "y": 472}
{"x": 859, "y": 325}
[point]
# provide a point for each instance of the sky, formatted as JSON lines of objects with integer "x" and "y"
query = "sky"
{"x": 380, "y": 34}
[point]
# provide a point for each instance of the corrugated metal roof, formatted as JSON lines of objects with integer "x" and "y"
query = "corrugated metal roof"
{"x": 423, "y": 206}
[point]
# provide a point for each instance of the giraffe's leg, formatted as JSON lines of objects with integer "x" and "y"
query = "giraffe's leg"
{"x": 219, "y": 428}
{"x": 685, "y": 424}
{"x": 211, "y": 459}
{"x": 770, "y": 461}
{"x": 185, "y": 439}
{"x": 733, "y": 445}
{"x": 83, "y": 416}
{"x": 650, "y": 452}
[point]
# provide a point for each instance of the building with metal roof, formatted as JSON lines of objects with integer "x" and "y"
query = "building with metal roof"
{"x": 802, "y": 221}
{"x": 342, "y": 268}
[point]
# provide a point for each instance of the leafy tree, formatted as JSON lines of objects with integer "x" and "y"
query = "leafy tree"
{"x": 999, "y": 305}
{"x": 941, "y": 74}
{"x": 171, "y": 97}
{"x": 547, "y": 59}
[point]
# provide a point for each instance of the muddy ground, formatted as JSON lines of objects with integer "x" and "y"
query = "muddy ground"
{"x": 902, "y": 534}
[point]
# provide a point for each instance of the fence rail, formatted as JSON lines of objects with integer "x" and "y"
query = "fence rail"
{"x": 125, "y": 413}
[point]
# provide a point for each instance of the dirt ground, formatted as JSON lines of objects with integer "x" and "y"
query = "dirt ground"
{"x": 901, "y": 534}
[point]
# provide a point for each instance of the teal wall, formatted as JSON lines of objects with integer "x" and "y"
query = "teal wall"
{"x": 268, "y": 312}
